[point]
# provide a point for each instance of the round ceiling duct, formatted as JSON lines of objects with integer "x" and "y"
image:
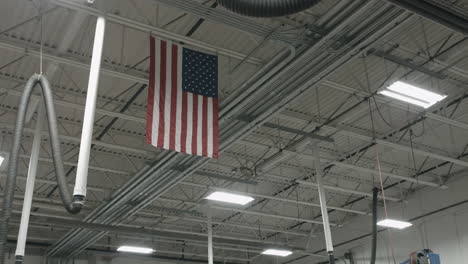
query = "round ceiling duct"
{"x": 267, "y": 8}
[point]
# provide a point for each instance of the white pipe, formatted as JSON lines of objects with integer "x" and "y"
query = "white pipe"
{"x": 28, "y": 193}
{"x": 210, "y": 237}
{"x": 323, "y": 201}
{"x": 88, "y": 120}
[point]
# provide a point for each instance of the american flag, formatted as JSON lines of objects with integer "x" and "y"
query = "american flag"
{"x": 183, "y": 99}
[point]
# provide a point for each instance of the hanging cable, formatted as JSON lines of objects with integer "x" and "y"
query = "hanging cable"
{"x": 382, "y": 189}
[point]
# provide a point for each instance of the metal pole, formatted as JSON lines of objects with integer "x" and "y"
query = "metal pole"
{"x": 88, "y": 120}
{"x": 28, "y": 193}
{"x": 210, "y": 237}
{"x": 323, "y": 204}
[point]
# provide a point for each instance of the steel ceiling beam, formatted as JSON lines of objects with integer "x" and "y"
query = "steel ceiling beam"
{"x": 77, "y": 62}
{"x": 80, "y": 107}
{"x": 171, "y": 234}
{"x": 344, "y": 131}
{"x": 67, "y": 163}
{"x": 230, "y": 19}
{"x": 247, "y": 212}
{"x": 119, "y": 147}
{"x": 275, "y": 198}
{"x": 56, "y": 206}
{"x": 437, "y": 11}
{"x": 136, "y": 25}
{"x": 395, "y": 104}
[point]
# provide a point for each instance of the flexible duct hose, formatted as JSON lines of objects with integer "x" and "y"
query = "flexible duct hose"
{"x": 267, "y": 8}
{"x": 72, "y": 205}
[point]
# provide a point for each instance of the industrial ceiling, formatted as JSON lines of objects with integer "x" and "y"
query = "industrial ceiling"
{"x": 304, "y": 86}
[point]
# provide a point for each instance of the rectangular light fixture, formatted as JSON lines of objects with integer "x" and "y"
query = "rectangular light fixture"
{"x": 2, "y": 159}
{"x": 230, "y": 198}
{"x": 277, "y": 252}
{"x": 139, "y": 250}
{"x": 394, "y": 224}
{"x": 411, "y": 94}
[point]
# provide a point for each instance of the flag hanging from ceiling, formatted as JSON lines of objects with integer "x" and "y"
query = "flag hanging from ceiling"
{"x": 182, "y": 100}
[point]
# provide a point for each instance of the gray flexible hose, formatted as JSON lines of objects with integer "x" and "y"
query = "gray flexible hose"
{"x": 267, "y": 8}
{"x": 72, "y": 205}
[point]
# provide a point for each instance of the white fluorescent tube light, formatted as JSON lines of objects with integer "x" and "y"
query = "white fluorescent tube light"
{"x": 277, "y": 252}
{"x": 394, "y": 224}
{"x": 139, "y": 250}
{"x": 412, "y": 94}
{"x": 2, "y": 159}
{"x": 230, "y": 198}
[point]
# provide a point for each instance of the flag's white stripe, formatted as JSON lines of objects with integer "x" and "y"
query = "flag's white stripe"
{"x": 167, "y": 104}
{"x": 200, "y": 125}
{"x": 179, "y": 100}
{"x": 157, "y": 72}
{"x": 210, "y": 127}
{"x": 189, "y": 123}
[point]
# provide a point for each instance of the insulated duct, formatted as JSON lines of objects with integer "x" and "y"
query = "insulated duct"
{"x": 267, "y": 8}
{"x": 72, "y": 205}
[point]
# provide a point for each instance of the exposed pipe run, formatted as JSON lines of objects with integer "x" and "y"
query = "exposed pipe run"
{"x": 267, "y": 8}
{"x": 435, "y": 12}
{"x": 74, "y": 205}
{"x": 28, "y": 193}
{"x": 88, "y": 119}
{"x": 283, "y": 154}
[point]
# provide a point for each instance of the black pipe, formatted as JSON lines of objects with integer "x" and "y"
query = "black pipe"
{"x": 331, "y": 257}
{"x": 267, "y": 8}
{"x": 375, "y": 200}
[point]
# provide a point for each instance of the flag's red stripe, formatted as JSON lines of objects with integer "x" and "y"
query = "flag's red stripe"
{"x": 194, "y": 124}
{"x": 183, "y": 136}
{"x": 174, "y": 105}
{"x": 205, "y": 127}
{"x": 215, "y": 128}
{"x": 162, "y": 94}
{"x": 149, "y": 113}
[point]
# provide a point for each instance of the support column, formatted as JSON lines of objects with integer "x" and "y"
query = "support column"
{"x": 30, "y": 181}
{"x": 323, "y": 204}
{"x": 210, "y": 236}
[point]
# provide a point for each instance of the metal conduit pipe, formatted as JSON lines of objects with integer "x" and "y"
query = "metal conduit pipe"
{"x": 72, "y": 205}
{"x": 267, "y": 8}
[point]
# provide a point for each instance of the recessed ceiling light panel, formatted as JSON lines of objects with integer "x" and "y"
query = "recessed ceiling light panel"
{"x": 277, "y": 252}
{"x": 411, "y": 94}
{"x": 138, "y": 250}
{"x": 230, "y": 198}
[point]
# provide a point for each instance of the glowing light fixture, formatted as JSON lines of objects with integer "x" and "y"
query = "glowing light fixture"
{"x": 2, "y": 159}
{"x": 411, "y": 94}
{"x": 230, "y": 198}
{"x": 277, "y": 252}
{"x": 139, "y": 250}
{"x": 394, "y": 224}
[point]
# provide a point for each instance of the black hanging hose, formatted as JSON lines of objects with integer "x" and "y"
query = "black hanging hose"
{"x": 375, "y": 200}
{"x": 72, "y": 205}
{"x": 267, "y": 8}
